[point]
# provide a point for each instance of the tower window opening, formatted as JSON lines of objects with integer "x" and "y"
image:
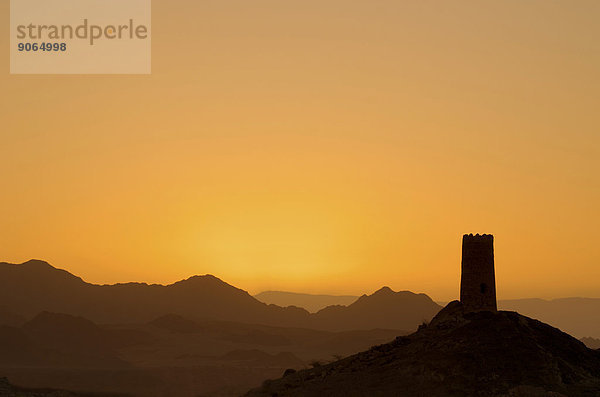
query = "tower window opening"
{"x": 483, "y": 288}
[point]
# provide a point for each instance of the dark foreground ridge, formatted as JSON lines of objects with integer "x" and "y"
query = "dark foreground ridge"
{"x": 458, "y": 354}
{"x": 9, "y": 390}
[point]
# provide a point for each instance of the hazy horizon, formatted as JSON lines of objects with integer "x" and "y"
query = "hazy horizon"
{"x": 357, "y": 294}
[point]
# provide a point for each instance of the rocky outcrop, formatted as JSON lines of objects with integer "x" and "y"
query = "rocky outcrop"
{"x": 458, "y": 354}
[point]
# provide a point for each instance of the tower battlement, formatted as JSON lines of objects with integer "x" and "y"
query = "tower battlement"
{"x": 478, "y": 280}
{"x": 478, "y": 237}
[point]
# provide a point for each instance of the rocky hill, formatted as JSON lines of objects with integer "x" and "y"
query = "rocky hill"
{"x": 457, "y": 354}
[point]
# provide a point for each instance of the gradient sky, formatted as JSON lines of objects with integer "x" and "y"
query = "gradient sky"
{"x": 319, "y": 146}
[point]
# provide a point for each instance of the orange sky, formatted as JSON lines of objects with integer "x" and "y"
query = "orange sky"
{"x": 319, "y": 146}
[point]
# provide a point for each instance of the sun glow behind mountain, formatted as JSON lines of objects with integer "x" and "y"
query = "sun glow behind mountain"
{"x": 326, "y": 147}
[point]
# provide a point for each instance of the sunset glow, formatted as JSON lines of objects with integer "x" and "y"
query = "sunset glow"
{"x": 323, "y": 147}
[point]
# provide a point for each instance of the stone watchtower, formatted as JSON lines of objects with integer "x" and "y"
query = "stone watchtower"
{"x": 478, "y": 282}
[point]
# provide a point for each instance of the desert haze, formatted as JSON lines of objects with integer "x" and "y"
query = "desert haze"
{"x": 334, "y": 198}
{"x": 201, "y": 336}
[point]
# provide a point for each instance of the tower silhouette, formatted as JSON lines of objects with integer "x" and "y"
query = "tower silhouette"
{"x": 478, "y": 282}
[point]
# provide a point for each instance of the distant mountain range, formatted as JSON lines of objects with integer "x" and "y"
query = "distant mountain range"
{"x": 312, "y": 303}
{"x": 577, "y": 316}
{"x": 199, "y": 336}
{"x": 35, "y": 286}
{"x": 592, "y": 343}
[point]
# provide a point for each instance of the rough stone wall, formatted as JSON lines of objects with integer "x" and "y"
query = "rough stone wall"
{"x": 478, "y": 281}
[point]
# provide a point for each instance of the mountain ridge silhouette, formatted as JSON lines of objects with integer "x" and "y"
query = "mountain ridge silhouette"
{"x": 36, "y": 286}
{"x": 311, "y": 302}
